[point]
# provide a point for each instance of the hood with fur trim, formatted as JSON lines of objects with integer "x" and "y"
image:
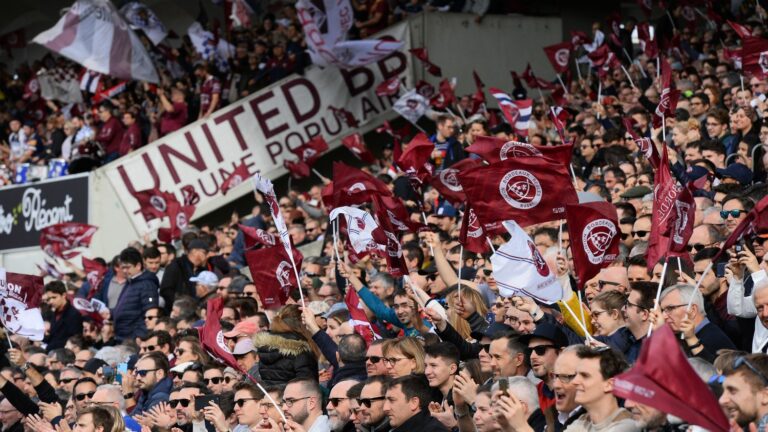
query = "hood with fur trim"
{"x": 286, "y": 344}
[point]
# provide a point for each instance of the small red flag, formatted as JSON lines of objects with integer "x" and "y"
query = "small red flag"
{"x": 352, "y": 186}
{"x": 273, "y": 273}
{"x": 446, "y": 182}
{"x": 415, "y": 160}
{"x": 357, "y": 317}
{"x": 393, "y": 251}
{"x": 298, "y": 169}
{"x": 445, "y": 96}
{"x": 60, "y": 239}
{"x": 421, "y": 54}
{"x": 239, "y": 175}
{"x": 356, "y": 145}
{"x": 646, "y": 145}
{"x": 256, "y": 236}
{"x": 179, "y": 216}
{"x": 669, "y": 95}
{"x": 398, "y": 215}
{"x": 153, "y": 203}
{"x": 311, "y": 151}
{"x": 559, "y": 55}
{"x": 389, "y": 87}
{"x": 595, "y": 239}
{"x": 741, "y": 30}
{"x": 754, "y": 57}
{"x": 472, "y": 235}
{"x": 345, "y": 116}
{"x": 495, "y": 150}
{"x": 94, "y": 274}
{"x": 211, "y": 335}
{"x": 667, "y": 194}
{"x": 534, "y": 82}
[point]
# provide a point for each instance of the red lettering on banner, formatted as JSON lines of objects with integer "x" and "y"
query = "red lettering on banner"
{"x": 327, "y": 127}
{"x": 314, "y": 107}
{"x": 230, "y": 118}
{"x": 352, "y": 76}
{"x": 150, "y": 168}
{"x": 263, "y": 117}
{"x": 296, "y": 137}
{"x": 212, "y": 142}
{"x": 274, "y": 148}
{"x": 398, "y": 65}
{"x": 197, "y": 163}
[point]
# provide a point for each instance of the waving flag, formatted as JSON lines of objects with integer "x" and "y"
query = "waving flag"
{"x": 559, "y": 55}
{"x": 669, "y": 95}
{"x": 741, "y": 30}
{"x": 264, "y": 185}
{"x": 519, "y": 269}
{"x": 356, "y": 145}
{"x": 239, "y": 175}
{"x": 90, "y": 81}
{"x": 472, "y": 235}
{"x": 754, "y": 57}
{"x": 93, "y": 34}
{"x": 535, "y": 82}
{"x": 20, "y": 296}
{"x": 415, "y": 160}
{"x": 272, "y": 271}
{"x": 60, "y": 239}
{"x": 94, "y": 274}
{"x": 446, "y": 182}
{"x": 398, "y": 215}
{"x": 358, "y": 318}
{"x": 421, "y": 54}
{"x": 153, "y": 203}
{"x": 211, "y": 335}
{"x": 256, "y": 236}
{"x": 352, "y": 186}
{"x": 495, "y": 150}
{"x": 311, "y": 151}
{"x": 411, "y": 106}
{"x": 666, "y": 206}
{"x": 344, "y": 115}
{"x": 645, "y": 145}
{"x": 179, "y": 216}
{"x": 360, "y": 228}
{"x": 595, "y": 237}
{"x": 517, "y": 113}
{"x": 393, "y": 250}
{"x": 445, "y": 96}
{"x": 389, "y": 87}
{"x": 140, "y": 17}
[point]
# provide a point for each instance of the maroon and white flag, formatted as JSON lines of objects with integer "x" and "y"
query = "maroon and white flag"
{"x": 257, "y": 236}
{"x": 645, "y": 145}
{"x": 472, "y": 234}
{"x": 741, "y": 30}
{"x": 445, "y": 96}
{"x": 666, "y": 197}
{"x": 311, "y": 151}
{"x": 535, "y": 82}
{"x": 95, "y": 35}
{"x": 356, "y": 145}
{"x": 91, "y": 308}
{"x": 447, "y": 183}
{"x": 559, "y": 116}
{"x": 352, "y": 186}
{"x": 595, "y": 237}
{"x": 154, "y": 203}
{"x": 264, "y": 185}
{"x": 94, "y": 274}
{"x": 669, "y": 95}
{"x": 239, "y": 175}
{"x": 416, "y": 159}
{"x": 559, "y": 55}
{"x": 393, "y": 250}
{"x": 398, "y": 215}
{"x": 272, "y": 271}
{"x": 298, "y": 169}
{"x": 754, "y": 57}
{"x": 360, "y": 229}
{"x": 358, "y": 318}
{"x": 421, "y": 54}
{"x": 61, "y": 239}
{"x": 495, "y": 150}
{"x": 346, "y": 116}
{"x": 389, "y": 87}
{"x": 20, "y": 296}
{"x": 212, "y": 337}
{"x": 179, "y": 216}
{"x": 527, "y": 190}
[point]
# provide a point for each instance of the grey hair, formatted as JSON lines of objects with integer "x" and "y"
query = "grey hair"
{"x": 523, "y": 389}
{"x": 686, "y": 291}
{"x": 115, "y": 394}
{"x": 704, "y": 369}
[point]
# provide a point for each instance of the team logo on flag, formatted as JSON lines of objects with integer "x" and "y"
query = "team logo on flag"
{"x": 308, "y": 153}
{"x": 681, "y": 221}
{"x": 357, "y": 187}
{"x": 474, "y": 229}
{"x": 396, "y": 222}
{"x": 10, "y": 310}
{"x": 763, "y": 61}
{"x": 645, "y": 147}
{"x": 158, "y": 203}
{"x": 537, "y": 260}
{"x": 449, "y": 179}
{"x": 236, "y": 180}
{"x": 517, "y": 149}
{"x": 283, "y": 274}
{"x": 596, "y": 238}
{"x": 181, "y": 221}
{"x": 520, "y": 189}
{"x": 221, "y": 342}
{"x": 393, "y": 245}
{"x": 562, "y": 55}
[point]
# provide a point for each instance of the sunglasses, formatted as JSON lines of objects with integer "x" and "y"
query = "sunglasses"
{"x": 214, "y": 380}
{"x": 175, "y": 402}
{"x": 487, "y": 272}
{"x": 367, "y": 402}
{"x": 63, "y": 380}
{"x": 148, "y": 318}
{"x": 336, "y": 401}
{"x": 374, "y": 359}
{"x": 83, "y": 396}
{"x": 486, "y": 347}
{"x": 735, "y": 213}
{"x": 602, "y": 283}
{"x": 149, "y": 348}
{"x": 640, "y": 234}
{"x": 144, "y": 372}
{"x": 696, "y": 247}
{"x": 624, "y": 236}
{"x": 742, "y": 361}
{"x": 228, "y": 380}
{"x": 540, "y": 350}
{"x": 241, "y": 402}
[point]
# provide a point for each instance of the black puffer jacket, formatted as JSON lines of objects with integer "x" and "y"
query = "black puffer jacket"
{"x": 283, "y": 357}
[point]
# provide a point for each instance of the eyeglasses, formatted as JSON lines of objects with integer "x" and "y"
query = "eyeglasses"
{"x": 391, "y": 361}
{"x": 144, "y": 372}
{"x": 697, "y": 247}
{"x": 84, "y": 396}
{"x": 374, "y": 359}
{"x": 62, "y": 380}
{"x": 640, "y": 234}
{"x": 214, "y": 380}
{"x": 335, "y": 401}
{"x": 624, "y": 236}
{"x": 629, "y": 303}
{"x": 148, "y": 348}
{"x": 735, "y": 213}
{"x": 487, "y": 272}
{"x": 565, "y": 378}
{"x": 431, "y": 277}
{"x": 228, "y": 380}
{"x": 742, "y": 361}
{"x": 669, "y": 309}
{"x": 184, "y": 402}
{"x": 148, "y": 318}
{"x": 486, "y": 347}
{"x": 367, "y": 402}
{"x": 541, "y": 349}
{"x": 241, "y": 402}
{"x": 289, "y": 402}
{"x": 602, "y": 283}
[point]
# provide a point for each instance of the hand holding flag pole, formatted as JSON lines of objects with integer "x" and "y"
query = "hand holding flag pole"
{"x": 658, "y": 292}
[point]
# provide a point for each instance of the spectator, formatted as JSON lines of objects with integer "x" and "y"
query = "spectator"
{"x": 302, "y": 401}
{"x": 111, "y": 132}
{"x": 407, "y": 399}
{"x": 179, "y": 272}
{"x": 131, "y": 139}
{"x": 174, "y": 111}
{"x": 66, "y": 321}
{"x": 139, "y": 295}
{"x": 153, "y": 380}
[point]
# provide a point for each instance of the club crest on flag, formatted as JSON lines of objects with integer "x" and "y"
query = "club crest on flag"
{"x": 181, "y": 221}
{"x": 538, "y": 261}
{"x": 158, "y": 203}
{"x": 681, "y": 221}
{"x": 283, "y": 274}
{"x": 763, "y": 62}
{"x": 393, "y": 245}
{"x": 236, "y": 180}
{"x": 517, "y": 149}
{"x": 357, "y": 187}
{"x": 474, "y": 229}
{"x": 562, "y": 55}
{"x": 520, "y": 189}
{"x": 396, "y": 222}
{"x": 596, "y": 238}
{"x": 449, "y": 179}
{"x": 10, "y": 311}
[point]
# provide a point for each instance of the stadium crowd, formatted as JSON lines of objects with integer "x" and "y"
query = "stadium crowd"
{"x": 485, "y": 363}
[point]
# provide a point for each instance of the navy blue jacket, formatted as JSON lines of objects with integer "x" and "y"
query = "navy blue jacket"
{"x": 63, "y": 326}
{"x": 161, "y": 392}
{"x": 139, "y": 294}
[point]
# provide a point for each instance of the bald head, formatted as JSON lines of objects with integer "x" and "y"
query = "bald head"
{"x": 617, "y": 275}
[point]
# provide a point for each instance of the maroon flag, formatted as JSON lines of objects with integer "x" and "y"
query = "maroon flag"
{"x": 559, "y": 116}
{"x": 559, "y": 55}
{"x": 472, "y": 235}
{"x": 650, "y": 47}
{"x": 478, "y": 98}
{"x": 534, "y": 82}
{"x": 579, "y": 37}
{"x": 683, "y": 216}
{"x": 646, "y": 145}
{"x": 356, "y": 145}
{"x": 389, "y": 87}
{"x": 345, "y": 116}
{"x": 445, "y": 96}
{"x": 357, "y": 317}
{"x": 398, "y": 215}
{"x": 257, "y": 236}
{"x": 179, "y": 216}
{"x": 415, "y": 160}
{"x": 89, "y": 308}
{"x": 595, "y": 239}
{"x": 239, "y": 175}
{"x": 528, "y": 190}
{"x": 421, "y": 54}
{"x": 311, "y": 151}
{"x": 666, "y": 194}
{"x": 272, "y": 272}
{"x": 741, "y": 30}
{"x": 212, "y": 337}
{"x": 393, "y": 251}
{"x": 495, "y": 150}
{"x": 669, "y": 95}
{"x": 446, "y": 182}
{"x": 154, "y": 203}
{"x": 94, "y": 274}
{"x": 664, "y": 379}
{"x": 20, "y": 296}
{"x": 190, "y": 195}
{"x": 298, "y": 169}
{"x": 352, "y": 186}
{"x": 754, "y": 57}
{"x": 60, "y": 239}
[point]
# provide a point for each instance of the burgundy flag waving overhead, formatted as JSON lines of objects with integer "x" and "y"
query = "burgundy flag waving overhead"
{"x": 94, "y": 274}
{"x": 740, "y": 29}
{"x": 352, "y": 186}
{"x": 447, "y": 182}
{"x": 664, "y": 379}
{"x": 393, "y": 251}
{"x": 445, "y": 96}
{"x": 239, "y": 175}
{"x": 257, "y": 236}
{"x": 60, "y": 239}
{"x": 179, "y": 215}
{"x": 20, "y": 296}
{"x": 212, "y": 337}
{"x": 357, "y": 317}
{"x": 311, "y": 151}
{"x": 389, "y": 87}
{"x": 595, "y": 239}
{"x": 356, "y": 145}
{"x": 398, "y": 215}
{"x": 298, "y": 169}
{"x": 669, "y": 95}
{"x": 154, "y": 203}
{"x": 666, "y": 196}
{"x": 272, "y": 272}
{"x": 754, "y": 57}
{"x": 415, "y": 160}
{"x": 646, "y": 145}
{"x": 495, "y": 150}
{"x": 421, "y": 54}
{"x": 559, "y": 55}
{"x": 528, "y": 190}
{"x": 472, "y": 235}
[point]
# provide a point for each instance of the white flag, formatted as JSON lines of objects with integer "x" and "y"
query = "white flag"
{"x": 60, "y": 85}
{"x": 326, "y": 36}
{"x": 519, "y": 268}
{"x": 360, "y": 227}
{"x": 93, "y": 34}
{"x": 411, "y": 105}
{"x": 140, "y": 17}
{"x": 265, "y": 186}
{"x": 20, "y": 297}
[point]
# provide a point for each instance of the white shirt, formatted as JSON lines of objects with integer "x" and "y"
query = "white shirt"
{"x": 321, "y": 424}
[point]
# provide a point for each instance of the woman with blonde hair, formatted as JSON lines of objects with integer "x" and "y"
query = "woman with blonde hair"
{"x": 606, "y": 311}
{"x": 403, "y": 356}
{"x": 461, "y": 311}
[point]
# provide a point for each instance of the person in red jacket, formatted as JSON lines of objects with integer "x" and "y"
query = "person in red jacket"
{"x": 132, "y": 135}
{"x": 111, "y": 132}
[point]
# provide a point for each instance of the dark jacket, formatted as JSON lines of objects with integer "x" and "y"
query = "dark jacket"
{"x": 283, "y": 357}
{"x": 537, "y": 421}
{"x": 713, "y": 340}
{"x": 623, "y": 340}
{"x": 422, "y": 421}
{"x": 63, "y": 326}
{"x": 161, "y": 392}
{"x": 176, "y": 281}
{"x": 139, "y": 294}
{"x": 351, "y": 370}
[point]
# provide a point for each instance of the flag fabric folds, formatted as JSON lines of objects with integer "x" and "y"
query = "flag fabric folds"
{"x": 238, "y": 175}
{"x": 140, "y": 17}
{"x": 595, "y": 237}
{"x": 411, "y": 106}
{"x": 60, "y": 239}
{"x": 272, "y": 271}
{"x": 495, "y": 150}
{"x": 356, "y": 145}
{"x": 20, "y": 297}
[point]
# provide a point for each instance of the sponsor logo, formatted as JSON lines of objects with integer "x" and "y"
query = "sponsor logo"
{"x": 520, "y": 189}
{"x": 596, "y": 238}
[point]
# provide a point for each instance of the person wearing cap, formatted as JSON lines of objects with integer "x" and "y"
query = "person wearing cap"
{"x": 205, "y": 283}
{"x": 246, "y": 357}
{"x": 176, "y": 279}
{"x": 735, "y": 173}
{"x": 634, "y": 195}
{"x": 544, "y": 345}
{"x": 243, "y": 329}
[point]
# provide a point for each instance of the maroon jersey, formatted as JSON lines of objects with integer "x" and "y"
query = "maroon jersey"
{"x": 111, "y": 135}
{"x": 171, "y": 121}
{"x": 131, "y": 139}
{"x": 210, "y": 87}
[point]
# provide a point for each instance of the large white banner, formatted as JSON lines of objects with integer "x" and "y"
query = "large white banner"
{"x": 259, "y": 131}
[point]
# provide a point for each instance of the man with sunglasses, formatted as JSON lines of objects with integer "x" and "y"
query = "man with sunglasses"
{"x": 186, "y": 414}
{"x": 213, "y": 378}
{"x": 374, "y": 364}
{"x": 338, "y": 407}
{"x": 157, "y": 340}
{"x": 153, "y": 380}
{"x": 745, "y": 391}
{"x": 83, "y": 392}
{"x": 544, "y": 346}
{"x": 371, "y": 410}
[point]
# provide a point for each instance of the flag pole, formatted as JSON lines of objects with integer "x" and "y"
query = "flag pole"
{"x": 581, "y": 307}
{"x": 490, "y": 243}
{"x": 698, "y": 284}
{"x": 741, "y": 77}
{"x": 461, "y": 112}
{"x": 541, "y": 95}
{"x": 560, "y": 238}
{"x": 322, "y": 177}
{"x": 578, "y": 68}
{"x": 431, "y": 249}
{"x": 658, "y": 291}
{"x": 8, "y": 336}
{"x": 562, "y": 84}
{"x": 271, "y": 400}
{"x": 581, "y": 324}
{"x": 298, "y": 279}
{"x": 628, "y": 77}
{"x": 461, "y": 264}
